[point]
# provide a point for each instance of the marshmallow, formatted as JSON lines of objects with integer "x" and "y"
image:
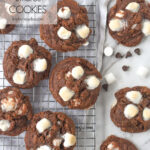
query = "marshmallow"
{"x": 10, "y": 10}
{"x": 142, "y": 71}
{"x": 146, "y": 28}
{"x": 19, "y": 77}
{"x": 110, "y": 78}
{"x": 114, "y": 103}
{"x": 134, "y": 26}
{"x": 66, "y": 94}
{"x": 44, "y": 147}
{"x": 83, "y": 31}
{"x": 8, "y": 104}
{"x": 146, "y": 114}
{"x": 134, "y": 96}
{"x": 131, "y": 111}
{"x": 116, "y": 24}
{"x": 86, "y": 43}
{"x": 120, "y": 14}
{"x": 92, "y": 82}
{"x": 63, "y": 33}
{"x": 108, "y": 51}
{"x": 42, "y": 125}
{"x": 69, "y": 140}
{"x": 77, "y": 72}
{"x": 4, "y": 125}
{"x": 3, "y": 23}
{"x": 39, "y": 65}
{"x": 133, "y": 7}
{"x": 25, "y": 51}
{"x": 112, "y": 146}
{"x": 64, "y": 13}
{"x": 57, "y": 142}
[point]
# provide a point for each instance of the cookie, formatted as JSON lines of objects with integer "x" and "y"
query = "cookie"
{"x": 25, "y": 64}
{"x": 49, "y": 130}
{"x": 72, "y": 28}
{"x": 75, "y": 83}
{"x": 15, "y": 111}
{"x": 131, "y": 112}
{"x": 116, "y": 143}
{"x": 129, "y": 21}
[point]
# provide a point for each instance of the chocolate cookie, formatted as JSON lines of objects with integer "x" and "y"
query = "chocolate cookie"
{"x": 50, "y": 130}
{"x": 72, "y": 28}
{"x": 15, "y": 111}
{"x": 116, "y": 143}
{"x": 25, "y": 63}
{"x": 131, "y": 112}
{"x": 75, "y": 83}
{"x": 129, "y": 21}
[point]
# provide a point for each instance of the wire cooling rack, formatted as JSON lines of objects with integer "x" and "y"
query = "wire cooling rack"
{"x": 40, "y": 96}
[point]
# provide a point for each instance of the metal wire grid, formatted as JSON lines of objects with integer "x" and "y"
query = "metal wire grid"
{"x": 40, "y": 96}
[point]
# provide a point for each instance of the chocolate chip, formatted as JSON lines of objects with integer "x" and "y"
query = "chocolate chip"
{"x": 118, "y": 55}
{"x": 129, "y": 54}
{"x": 137, "y": 51}
{"x": 125, "y": 68}
{"x": 105, "y": 87}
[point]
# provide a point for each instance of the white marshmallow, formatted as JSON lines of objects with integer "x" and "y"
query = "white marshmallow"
{"x": 86, "y": 43}
{"x": 25, "y": 51}
{"x": 64, "y": 13}
{"x": 10, "y": 10}
{"x": 66, "y": 94}
{"x": 133, "y": 7}
{"x": 44, "y": 147}
{"x": 134, "y": 96}
{"x": 82, "y": 31}
{"x": 69, "y": 140}
{"x": 19, "y": 77}
{"x": 142, "y": 71}
{"x": 134, "y": 26}
{"x": 4, "y": 125}
{"x": 110, "y": 78}
{"x": 111, "y": 146}
{"x": 146, "y": 28}
{"x": 114, "y": 103}
{"x": 92, "y": 82}
{"x": 63, "y": 33}
{"x": 39, "y": 65}
{"x": 116, "y": 24}
{"x": 131, "y": 111}
{"x": 146, "y": 114}
{"x": 8, "y": 104}
{"x": 3, "y": 23}
{"x": 42, "y": 125}
{"x": 77, "y": 72}
{"x": 57, "y": 142}
{"x": 108, "y": 51}
{"x": 120, "y": 14}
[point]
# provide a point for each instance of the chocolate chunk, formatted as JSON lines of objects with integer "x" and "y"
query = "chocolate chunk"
{"x": 137, "y": 51}
{"x": 118, "y": 55}
{"x": 125, "y": 68}
{"x": 129, "y": 54}
{"x": 105, "y": 87}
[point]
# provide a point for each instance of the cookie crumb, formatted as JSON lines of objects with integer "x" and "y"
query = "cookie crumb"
{"x": 137, "y": 51}
{"x": 128, "y": 54}
{"x": 118, "y": 55}
{"x": 105, "y": 87}
{"x": 125, "y": 68}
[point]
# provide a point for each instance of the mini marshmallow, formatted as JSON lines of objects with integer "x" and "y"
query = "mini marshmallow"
{"x": 120, "y": 14}
{"x": 25, "y": 51}
{"x": 39, "y": 65}
{"x": 131, "y": 111}
{"x": 69, "y": 140}
{"x": 116, "y": 24}
{"x": 111, "y": 146}
{"x": 63, "y": 33}
{"x": 77, "y": 72}
{"x": 3, "y": 23}
{"x": 44, "y": 147}
{"x": 64, "y": 13}
{"x": 134, "y": 96}
{"x": 146, "y": 114}
{"x": 114, "y": 103}
{"x": 110, "y": 78}
{"x": 83, "y": 31}
{"x": 42, "y": 125}
{"x": 146, "y": 28}
{"x": 134, "y": 26}
{"x": 133, "y": 7}
{"x": 57, "y": 142}
{"x": 4, "y": 125}
{"x": 92, "y": 82}
{"x": 10, "y": 10}
{"x": 19, "y": 77}
{"x": 66, "y": 94}
{"x": 108, "y": 51}
{"x": 86, "y": 43}
{"x": 142, "y": 71}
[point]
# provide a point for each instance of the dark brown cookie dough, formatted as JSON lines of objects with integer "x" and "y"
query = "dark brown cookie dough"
{"x": 15, "y": 111}
{"x": 50, "y": 131}
{"x": 132, "y": 110}
{"x": 116, "y": 143}
{"x": 125, "y": 21}
{"x": 26, "y": 63}
{"x": 73, "y": 19}
{"x": 75, "y": 83}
